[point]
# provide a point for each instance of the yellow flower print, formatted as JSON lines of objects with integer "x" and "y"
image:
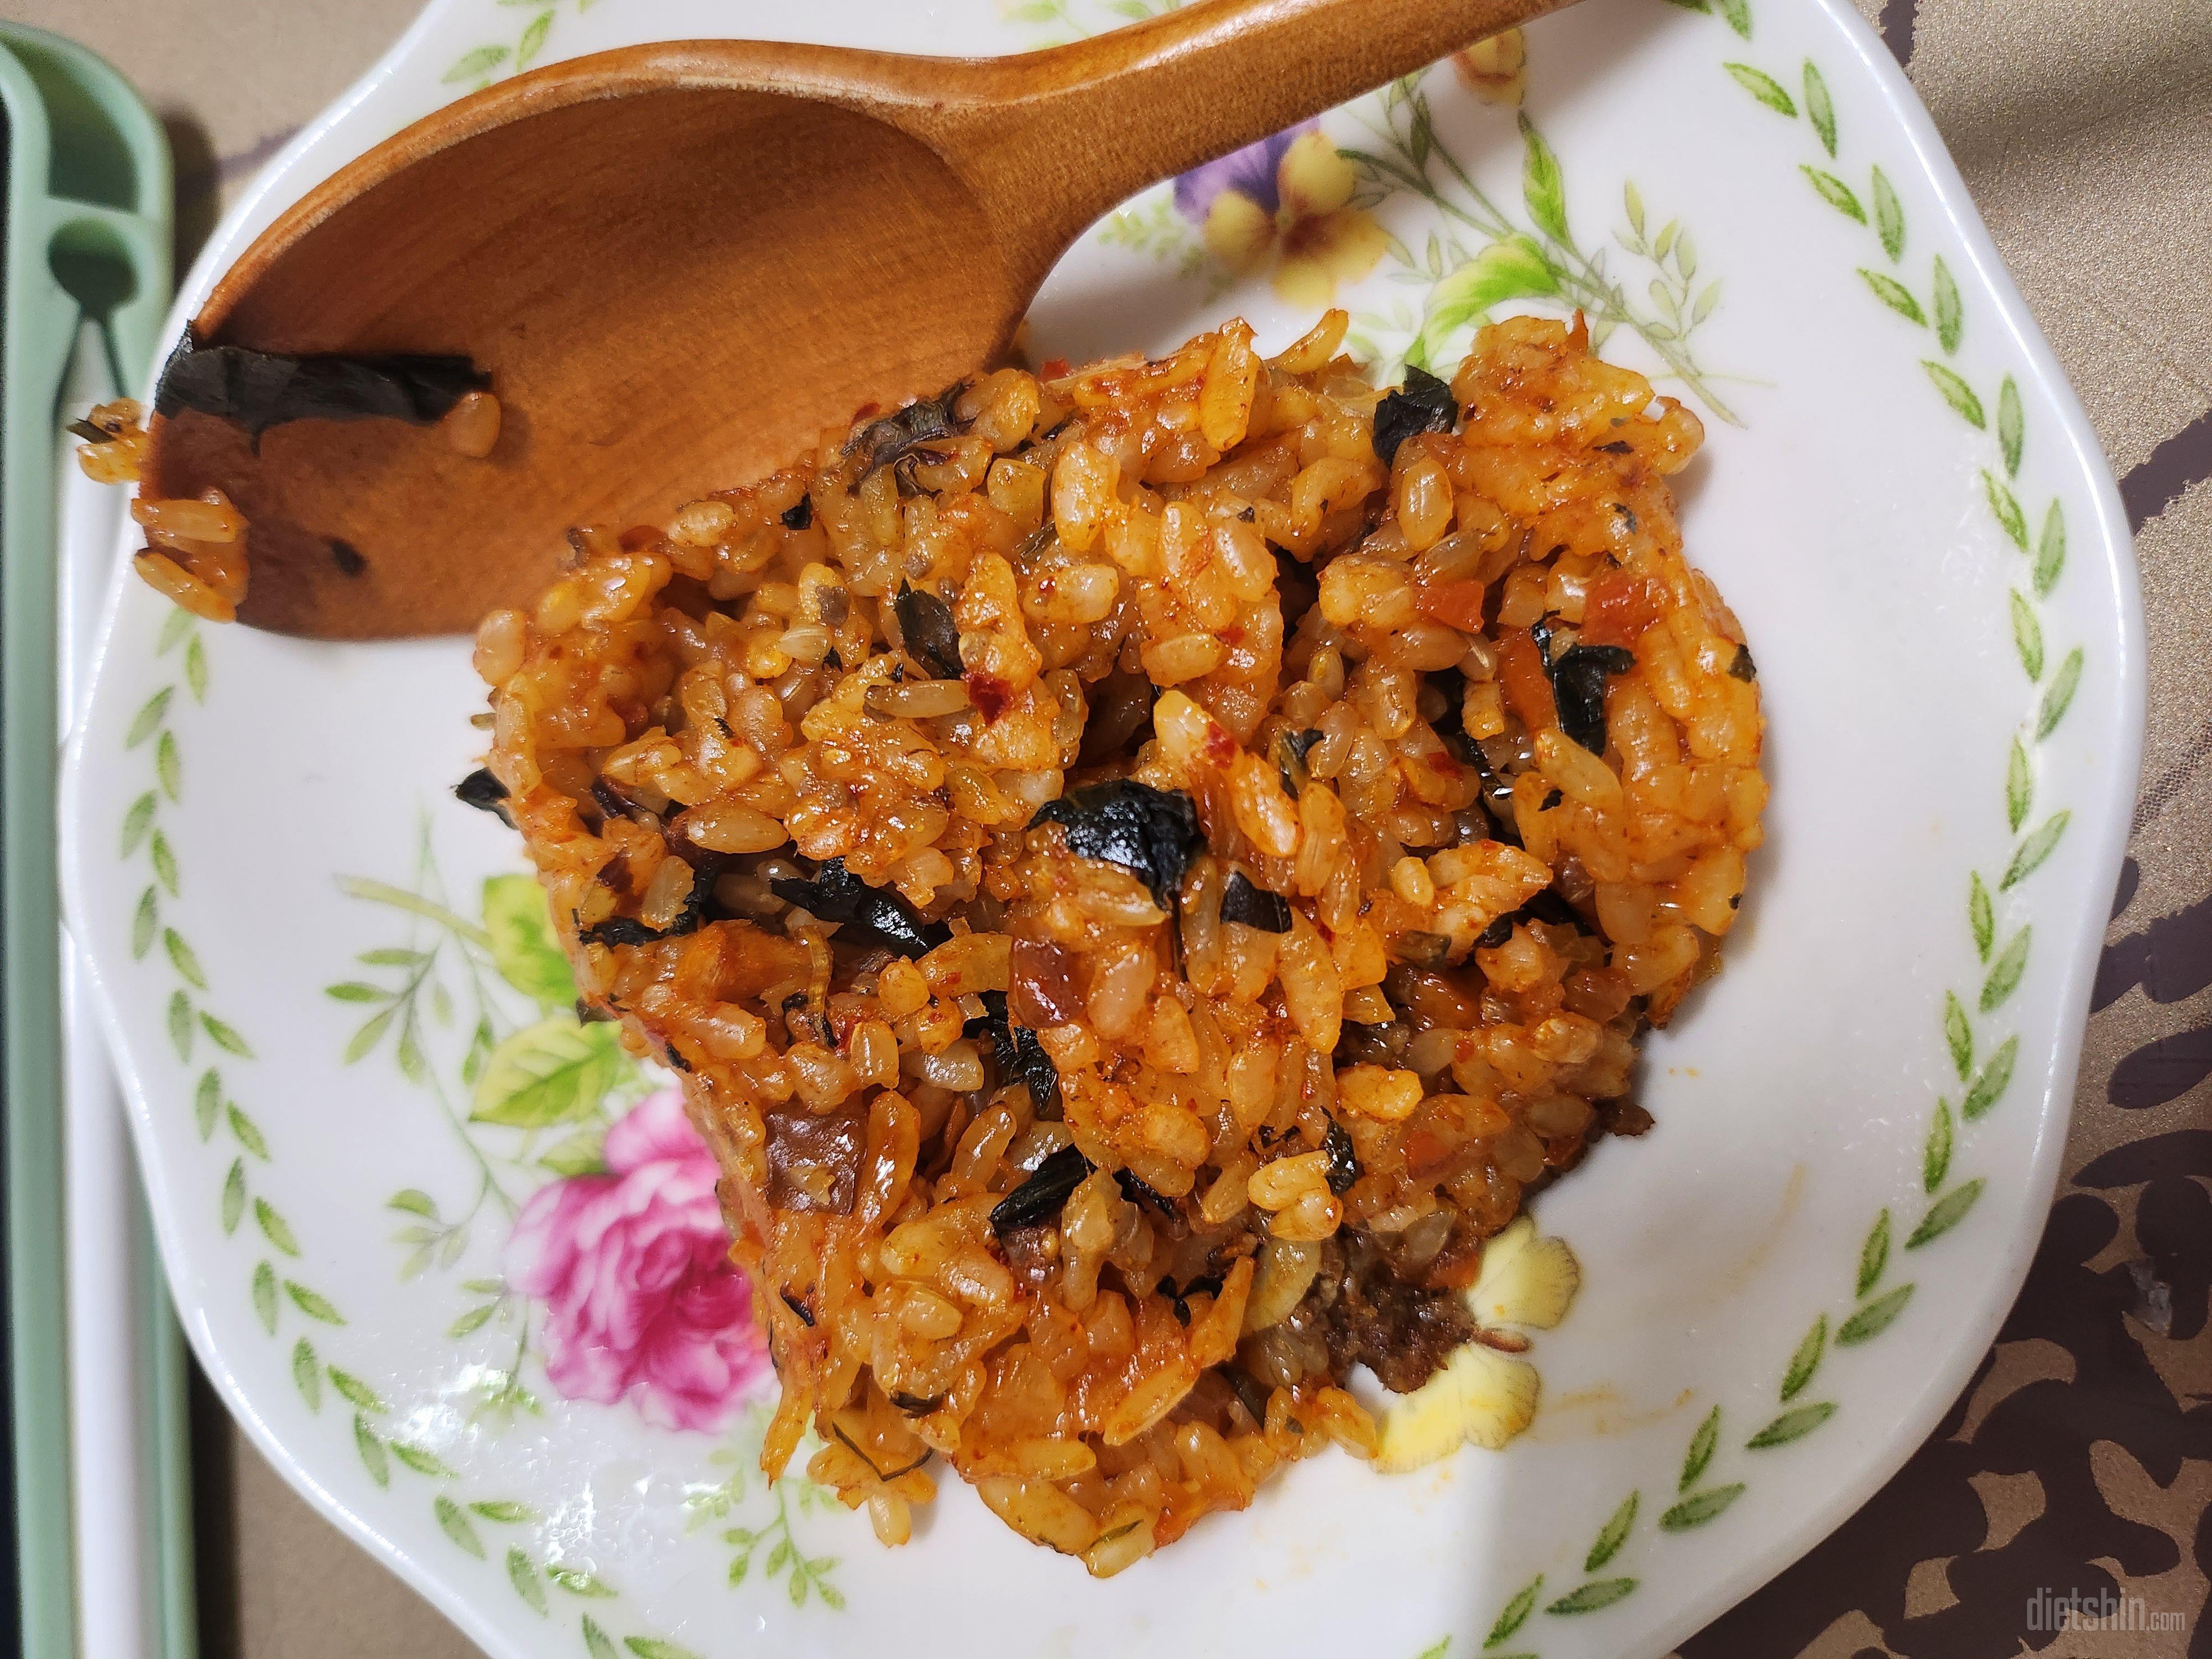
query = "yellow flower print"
{"x": 1288, "y": 200}
{"x": 1495, "y": 71}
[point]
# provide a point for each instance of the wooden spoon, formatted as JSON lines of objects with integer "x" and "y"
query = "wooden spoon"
{"x": 681, "y": 263}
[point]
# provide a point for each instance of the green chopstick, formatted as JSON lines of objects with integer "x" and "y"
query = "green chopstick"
{"x": 87, "y": 234}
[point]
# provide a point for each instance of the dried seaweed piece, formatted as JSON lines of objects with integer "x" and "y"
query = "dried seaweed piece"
{"x": 1344, "y": 1166}
{"x": 836, "y": 894}
{"x": 799, "y": 514}
{"x": 806, "y": 1314}
{"x": 620, "y": 930}
{"x": 1291, "y": 749}
{"x": 1152, "y": 833}
{"x": 1420, "y": 949}
{"x": 915, "y": 1405}
{"x": 1021, "y": 1057}
{"x": 1248, "y": 1391}
{"x": 1578, "y": 687}
{"x": 926, "y": 623}
{"x": 1138, "y": 1191}
{"x": 1740, "y": 666}
{"x": 1044, "y": 1194}
{"x": 629, "y": 930}
{"x": 1424, "y": 404}
{"x": 614, "y": 803}
{"x": 1245, "y": 900}
{"x": 881, "y": 443}
{"x": 257, "y": 389}
{"x": 481, "y": 790}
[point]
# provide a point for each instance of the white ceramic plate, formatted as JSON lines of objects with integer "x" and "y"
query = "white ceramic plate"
{"x": 1786, "y": 1282}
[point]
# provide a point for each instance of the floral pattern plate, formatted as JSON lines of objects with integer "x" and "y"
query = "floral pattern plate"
{"x": 453, "y": 1259}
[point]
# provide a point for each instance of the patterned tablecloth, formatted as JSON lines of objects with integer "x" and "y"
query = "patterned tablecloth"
{"x": 2076, "y": 1472}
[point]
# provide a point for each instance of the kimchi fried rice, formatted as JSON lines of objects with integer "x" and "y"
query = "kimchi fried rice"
{"x": 1141, "y": 871}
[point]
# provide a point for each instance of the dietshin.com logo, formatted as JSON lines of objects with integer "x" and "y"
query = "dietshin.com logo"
{"x": 2077, "y": 1612}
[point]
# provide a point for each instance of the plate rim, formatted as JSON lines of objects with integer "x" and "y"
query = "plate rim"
{"x": 2103, "y": 826}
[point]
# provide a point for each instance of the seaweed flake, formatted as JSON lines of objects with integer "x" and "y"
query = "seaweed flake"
{"x": 676, "y": 1057}
{"x": 1548, "y": 906}
{"x": 1579, "y": 688}
{"x": 798, "y": 515}
{"x": 1420, "y": 949}
{"x": 806, "y": 1314}
{"x": 881, "y": 443}
{"x": 1424, "y": 404}
{"x": 1249, "y": 1395}
{"x": 705, "y": 873}
{"x": 89, "y": 432}
{"x": 1152, "y": 833}
{"x": 836, "y": 894}
{"x": 1208, "y": 1283}
{"x": 257, "y": 389}
{"x": 620, "y": 930}
{"x": 1552, "y": 798}
{"x": 916, "y": 1405}
{"x": 1343, "y": 1166}
{"x": 1740, "y": 666}
{"x": 1044, "y": 1194}
{"x": 1021, "y": 1056}
{"x": 481, "y": 790}
{"x": 628, "y": 930}
{"x": 1138, "y": 1191}
{"x": 931, "y": 637}
{"x": 614, "y": 803}
{"x": 1245, "y": 900}
{"x": 1291, "y": 749}
{"x": 853, "y": 1447}
{"x": 1450, "y": 725}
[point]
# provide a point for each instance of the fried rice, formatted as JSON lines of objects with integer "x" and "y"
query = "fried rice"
{"x": 1141, "y": 871}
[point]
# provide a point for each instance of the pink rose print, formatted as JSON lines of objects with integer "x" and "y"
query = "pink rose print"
{"x": 642, "y": 1302}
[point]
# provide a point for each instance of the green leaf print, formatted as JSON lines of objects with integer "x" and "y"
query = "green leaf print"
{"x": 553, "y": 1071}
{"x": 522, "y": 945}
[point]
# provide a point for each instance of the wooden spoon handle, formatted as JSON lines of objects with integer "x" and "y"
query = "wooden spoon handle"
{"x": 1066, "y": 134}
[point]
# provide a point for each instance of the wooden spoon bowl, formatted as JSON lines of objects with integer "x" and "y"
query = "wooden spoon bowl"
{"x": 681, "y": 263}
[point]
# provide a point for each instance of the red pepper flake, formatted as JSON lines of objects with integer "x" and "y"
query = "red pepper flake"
{"x": 1054, "y": 368}
{"x": 1456, "y": 604}
{"x": 1528, "y": 687}
{"x": 989, "y": 694}
{"x": 1617, "y": 608}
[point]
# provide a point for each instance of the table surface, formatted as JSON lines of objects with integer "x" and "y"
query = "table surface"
{"x": 2081, "y": 1458}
